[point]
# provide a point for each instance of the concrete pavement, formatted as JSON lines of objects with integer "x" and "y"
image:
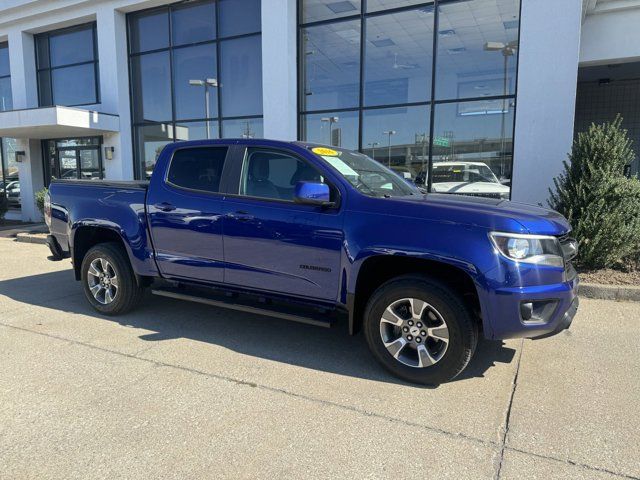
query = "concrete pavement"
{"x": 179, "y": 390}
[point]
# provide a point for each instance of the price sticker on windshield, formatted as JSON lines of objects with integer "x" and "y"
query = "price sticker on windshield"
{"x": 325, "y": 152}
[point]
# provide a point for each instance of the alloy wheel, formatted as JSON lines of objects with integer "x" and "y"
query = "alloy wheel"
{"x": 103, "y": 281}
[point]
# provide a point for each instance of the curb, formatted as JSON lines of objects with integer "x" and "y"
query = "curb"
{"x": 609, "y": 292}
{"x": 40, "y": 238}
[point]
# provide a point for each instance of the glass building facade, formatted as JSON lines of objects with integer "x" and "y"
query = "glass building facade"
{"x": 67, "y": 66}
{"x": 8, "y": 169}
{"x": 196, "y": 73}
{"x": 427, "y": 88}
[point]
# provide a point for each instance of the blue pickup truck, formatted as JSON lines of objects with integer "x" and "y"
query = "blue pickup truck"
{"x": 317, "y": 234}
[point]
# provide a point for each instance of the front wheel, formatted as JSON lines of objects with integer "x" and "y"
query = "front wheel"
{"x": 420, "y": 330}
{"x": 108, "y": 279}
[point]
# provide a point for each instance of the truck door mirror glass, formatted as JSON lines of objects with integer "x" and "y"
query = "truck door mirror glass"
{"x": 312, "y": 193}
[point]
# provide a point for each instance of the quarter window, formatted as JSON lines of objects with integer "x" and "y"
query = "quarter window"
{"x": 274, "y": 175}
{"x": 197, "y": 168}
{"x": 67, "y": 62}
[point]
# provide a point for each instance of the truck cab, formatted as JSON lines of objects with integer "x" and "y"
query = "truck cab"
{"x": 321, "y": 234}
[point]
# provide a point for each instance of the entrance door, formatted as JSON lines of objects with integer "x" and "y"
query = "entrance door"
{"x": 73, "y": 158}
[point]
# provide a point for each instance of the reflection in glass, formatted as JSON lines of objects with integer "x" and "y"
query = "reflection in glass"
{"x": 336, "y": 129}
{"x": 239, "y": 17}
{"x": 193, "y": 22}
{"x": 4, "y": 60}
{"x": 397, "y": 137}
{"x": 74, "y": 85}
{"x": 150, "y": 140}
{"x": 477, "y": 49}
{"x": 73, "y": 46}
{"x": 330, "y": 58}
{"x": 196, "y": 130}
{"x": 149, "y": 30}
{"x": 241, "y": 76}
{"x": 6, "y": 101}
{"x": 195, "y": 63}
{"x": 151, "y": 79}
{"x": 68, "y": 164}
{"x": 397, "y": 66}
{"x": 243, "y": 128}
{"x": 315, "y": 10}
{"x": 377, "y": 5}
{"x": 467, "y": 147}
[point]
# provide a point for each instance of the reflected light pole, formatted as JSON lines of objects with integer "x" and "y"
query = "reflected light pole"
{"x": 508, "y": 50}
{"x": 373, "y": 146}
{"x": 389, "y": 133}
{"x": 207, "y": 84}
{"x": 331, "y": 121}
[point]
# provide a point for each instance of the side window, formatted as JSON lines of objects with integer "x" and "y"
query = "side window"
{"x": 198, "y": 168}
{"x": 270, "y": 174}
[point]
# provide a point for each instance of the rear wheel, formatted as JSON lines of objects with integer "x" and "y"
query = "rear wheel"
{"x": 108, "y": 279}
{"x": 420, "y": 330}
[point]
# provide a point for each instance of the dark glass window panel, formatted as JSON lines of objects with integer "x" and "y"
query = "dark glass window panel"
{"x": 473, "y": 148}
{"x": 196, "y": 130}
{"x": 4, "y": 60}
{"x": 42, "y": 51}
{"x": 194, "y": 63}
{"x": 241, "y": 76}
{"x": 397, "y": 64}
{"x": 197, "y": 168}
{"x": 6, "y": 102}
{"x": 44, "y": 88}
{"x": 151, "y": 77}
{"x": 193, "y": 22}
{"x": 243, "y": 128}
{"x": 73, "y": 46}
{"x": 331, "y": 66}
{"x": 90, "y": 164}
{"x": 398, "y": 138}
{"x": 378, "y": 5}
{"x": 150, "y": 140}
{"x": 238, "y": 17}
{"x": 68, "y": 164}
{"x": 77, "y": 142}
{"x": 477, "y": 49}
{"x": 149, "y": 30}
{"x": 315, "y": 10}
{"x": 74, "y": 85}
{"x": 337, "y": 129}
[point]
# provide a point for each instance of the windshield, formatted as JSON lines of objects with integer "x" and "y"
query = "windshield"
{"x": 365, "y": 174}
{"x": 463, "y": 172}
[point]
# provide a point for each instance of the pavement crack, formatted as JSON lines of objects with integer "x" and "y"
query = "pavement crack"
{"x": 505, "y": 429}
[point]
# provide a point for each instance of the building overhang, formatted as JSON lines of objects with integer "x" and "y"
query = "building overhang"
{"x": 56, "y": 122}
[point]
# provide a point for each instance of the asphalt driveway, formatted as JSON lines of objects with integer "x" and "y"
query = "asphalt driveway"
{"x": 180, "y": 390}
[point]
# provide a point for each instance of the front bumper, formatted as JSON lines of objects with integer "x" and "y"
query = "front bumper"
{"x": 505, "y": 317}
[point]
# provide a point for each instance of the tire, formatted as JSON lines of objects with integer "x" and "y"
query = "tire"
{"x": 447, "y": 330}
{"x": 126, "y": 295}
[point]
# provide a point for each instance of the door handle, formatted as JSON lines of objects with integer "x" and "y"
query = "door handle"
{"x": 165, "y": 207}
{"x": 241, "y": 216}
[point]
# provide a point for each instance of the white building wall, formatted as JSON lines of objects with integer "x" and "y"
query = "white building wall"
{"x": 547, "y": 78}
{"x": 611, "y": 37}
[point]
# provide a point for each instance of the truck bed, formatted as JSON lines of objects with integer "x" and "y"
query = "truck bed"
{"x": 141, "y": 184}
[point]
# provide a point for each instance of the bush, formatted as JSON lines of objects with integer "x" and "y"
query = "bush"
{"x": 601, "y": 204}
{"x": 4, "y": 205}
{"x": 40, "y": 194}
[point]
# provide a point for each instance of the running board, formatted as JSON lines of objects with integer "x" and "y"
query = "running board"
{"x": 233, "y": 303}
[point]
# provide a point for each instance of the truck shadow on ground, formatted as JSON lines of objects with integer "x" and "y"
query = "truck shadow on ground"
{"x": 330, "y": 350}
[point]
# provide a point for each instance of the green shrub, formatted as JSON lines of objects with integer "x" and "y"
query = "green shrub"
{"x": 602, "y": 205}
{"x": 40, "y": 194}
{"x": 4, "y": 206}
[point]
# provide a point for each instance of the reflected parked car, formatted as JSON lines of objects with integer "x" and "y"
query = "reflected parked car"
{"x": 12, "y": 191}
{"x": 464, "y": 178}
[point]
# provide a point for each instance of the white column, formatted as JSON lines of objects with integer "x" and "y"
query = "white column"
{"x": 22, "y": 62}
{"x": 114, "y": 90}
{"x": 31, "y": 175}
{"x": 547, "y": 80}
{"x": 279, "y": 77}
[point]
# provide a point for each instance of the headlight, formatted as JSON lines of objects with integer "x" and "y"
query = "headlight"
{"x": 538, "y": 249}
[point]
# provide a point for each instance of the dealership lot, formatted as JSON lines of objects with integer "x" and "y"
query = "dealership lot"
{"x": 179, "y": 390}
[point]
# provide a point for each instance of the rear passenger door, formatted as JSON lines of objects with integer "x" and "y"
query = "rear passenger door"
{"x": 185, "y": 214}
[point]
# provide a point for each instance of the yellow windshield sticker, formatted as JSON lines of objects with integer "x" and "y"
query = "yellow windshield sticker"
{"x": 325, "y": 151}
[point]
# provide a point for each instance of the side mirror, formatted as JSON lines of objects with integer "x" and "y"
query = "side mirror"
{"x": 312, "y": 193}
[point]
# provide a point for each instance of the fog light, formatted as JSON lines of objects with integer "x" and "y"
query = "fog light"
{"x": 539, "y": 311}
{"x": 526, "y": 310}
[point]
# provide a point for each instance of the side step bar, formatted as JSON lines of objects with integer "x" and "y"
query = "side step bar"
{"x": 233, "y": 303}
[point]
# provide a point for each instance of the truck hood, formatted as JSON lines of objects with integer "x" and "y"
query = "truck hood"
{"x": 470, "y": 187}
{"x": 492, "y": 214}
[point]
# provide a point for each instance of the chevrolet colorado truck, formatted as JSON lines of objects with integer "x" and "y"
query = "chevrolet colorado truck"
{"x": 317, "y": 234}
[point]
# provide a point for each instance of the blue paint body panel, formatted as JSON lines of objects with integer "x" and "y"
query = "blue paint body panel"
{"x": 311, "y": 252}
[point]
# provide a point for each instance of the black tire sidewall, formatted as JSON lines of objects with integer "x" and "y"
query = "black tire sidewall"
{"x": 127, "y": 289}
{"x": 462, "y": 332}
